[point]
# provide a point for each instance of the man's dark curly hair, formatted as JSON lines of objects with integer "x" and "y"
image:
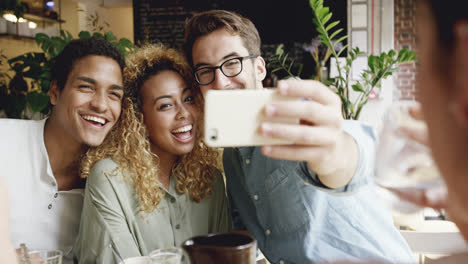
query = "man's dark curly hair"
{"x": 79, "y": 48}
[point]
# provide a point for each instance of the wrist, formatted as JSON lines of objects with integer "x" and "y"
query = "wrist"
{"x": 339, "y": 165}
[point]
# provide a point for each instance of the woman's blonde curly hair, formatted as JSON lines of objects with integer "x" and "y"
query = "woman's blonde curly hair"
{"x": 128, "y": 143}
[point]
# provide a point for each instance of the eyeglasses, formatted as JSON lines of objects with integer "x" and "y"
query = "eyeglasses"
{"x": 229, "y": 68}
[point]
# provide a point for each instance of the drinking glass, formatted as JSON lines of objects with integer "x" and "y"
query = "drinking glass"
{"x": 137, "y": 260}
{"x": 45, "y": 257}
{"x": 404, "y": 166}
{"x": 170, "y": 255}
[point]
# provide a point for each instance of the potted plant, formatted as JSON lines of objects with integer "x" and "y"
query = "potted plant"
{"x": 379, "y": 66}
{"x": 25, "y": 93}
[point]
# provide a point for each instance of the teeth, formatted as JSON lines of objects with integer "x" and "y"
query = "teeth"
{"x": 95, "y": 119}
{"x": 182, "y": 129}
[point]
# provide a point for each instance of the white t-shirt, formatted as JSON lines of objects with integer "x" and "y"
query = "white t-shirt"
{"x": 41, "y": 216}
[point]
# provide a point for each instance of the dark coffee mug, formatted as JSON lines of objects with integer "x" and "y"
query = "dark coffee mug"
{"x": 227, "y": 248}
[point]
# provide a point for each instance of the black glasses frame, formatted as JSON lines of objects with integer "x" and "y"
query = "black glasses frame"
{"x": 213, "y": 69}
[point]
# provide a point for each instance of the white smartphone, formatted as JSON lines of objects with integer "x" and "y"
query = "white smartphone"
{"x": 232, "y": 117}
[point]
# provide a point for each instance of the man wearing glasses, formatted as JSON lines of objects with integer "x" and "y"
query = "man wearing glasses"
{"x": 308, "y": 202}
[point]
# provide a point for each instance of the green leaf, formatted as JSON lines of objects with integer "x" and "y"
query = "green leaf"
{"x": 372, "y": 63}
{"x": 37, "y": 101}
{"x": 110, "y": 36}
{"x": 62, "y": 34}
{"x": 401, "y": 54}
{"x": 358, "y": 87}
{"x": 290, "y": 65}
{"x": 326, "y": 18}
{"x": 284, "y": 59}
{"x": 342, "y": 50}
{"x": 84, "y": 34}
{"x": 332, "y": 25}
{"x": 322, "y": 12}
{"x": 349, "y": 62}
{"x": 58, "y": 48}
{"x": 40, "y": 39}
{"x": 45, "y": 85}
{"x": 299, "y": 71}
{"x": 338, "y": 31}
{"x": 98, "y": 35}
{"x": 341, "y": 39}
{"x": 279, "y": 50}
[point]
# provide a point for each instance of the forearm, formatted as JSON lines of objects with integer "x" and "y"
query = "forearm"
{"x": 7, "y": 254}
{"x": 339, "y": 167}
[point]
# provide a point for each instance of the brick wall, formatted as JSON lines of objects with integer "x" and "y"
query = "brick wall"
{"x": 405, "y": 37}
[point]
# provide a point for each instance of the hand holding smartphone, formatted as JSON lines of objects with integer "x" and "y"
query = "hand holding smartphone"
{"x": 232, "y": 117}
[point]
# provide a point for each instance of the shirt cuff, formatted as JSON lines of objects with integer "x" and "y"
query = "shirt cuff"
{"x": 365, "y": 138}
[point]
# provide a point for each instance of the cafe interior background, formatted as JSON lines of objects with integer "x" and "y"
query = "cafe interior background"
{"x": 374, "y": 26}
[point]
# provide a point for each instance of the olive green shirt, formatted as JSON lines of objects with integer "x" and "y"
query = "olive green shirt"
{"x": 111, "y": 213}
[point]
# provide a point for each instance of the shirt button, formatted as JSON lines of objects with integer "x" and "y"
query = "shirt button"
{"x": 177, "y": 226}
{"x": 267, "y": 232}
{"x": 55, "y": 195}
{"x": 50, "y": 206}
{"x": 281, "y": 262}
{"x": 255, "y": 197}
{"x": 172, "y": 200}
{"x": 247, "y": 161}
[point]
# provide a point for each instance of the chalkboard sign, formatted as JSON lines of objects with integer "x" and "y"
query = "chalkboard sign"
{"x": 287, "y": 22}
{"x": 159, "y": 21}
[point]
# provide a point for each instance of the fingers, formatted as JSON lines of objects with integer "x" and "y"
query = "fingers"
{"x": 295, "y": 152}
{"x": 322, "y": 108}
{"x": 301, "y": 134}
{"x": 418, "y": 134}
{"x": 416, "y": 112}
{"x": 311, "y": 111}
{"x": 435, "y": 198}
{"x": 314, "y": 90}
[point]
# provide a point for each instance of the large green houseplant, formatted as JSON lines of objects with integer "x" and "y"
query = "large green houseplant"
{"x": 25, "y": 93}
{"x": 379, "y": 66}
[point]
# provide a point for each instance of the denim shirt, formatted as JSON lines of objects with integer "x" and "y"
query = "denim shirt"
{"x": 296, "y": 219}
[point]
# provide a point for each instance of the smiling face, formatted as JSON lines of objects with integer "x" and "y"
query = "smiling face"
{"x": 215, "y": 48}
{"x": 89, "y": 104}
{"x": 170, "y": 113}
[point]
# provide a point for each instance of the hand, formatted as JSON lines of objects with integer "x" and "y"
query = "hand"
{"x": 319, "y": 138}
{"x": 419, "y": 133}
{"x": 435, "y": 197}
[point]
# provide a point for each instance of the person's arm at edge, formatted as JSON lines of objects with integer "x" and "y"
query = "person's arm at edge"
{"x": 7, "y": 254}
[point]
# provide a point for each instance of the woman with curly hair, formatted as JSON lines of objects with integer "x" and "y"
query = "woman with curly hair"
{"x": 153, "y": 183}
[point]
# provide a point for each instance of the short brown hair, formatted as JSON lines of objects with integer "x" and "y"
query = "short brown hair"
{"x": 204, "y": 23}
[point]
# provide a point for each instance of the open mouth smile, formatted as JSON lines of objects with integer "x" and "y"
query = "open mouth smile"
{"x": 95, "y": 120}
{"x": 183, "y": 134}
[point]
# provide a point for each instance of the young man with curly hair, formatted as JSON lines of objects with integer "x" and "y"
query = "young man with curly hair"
{"x": 153, "y": 183}
{"x": 40, "y": 159}
{"x": 309, "y": 202}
